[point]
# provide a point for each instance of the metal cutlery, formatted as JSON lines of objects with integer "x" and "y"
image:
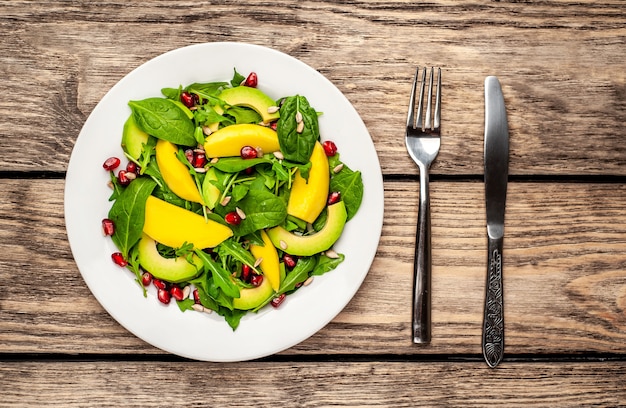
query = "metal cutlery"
{"x": 496, "y": 152}
{"x": 423, "y": 141}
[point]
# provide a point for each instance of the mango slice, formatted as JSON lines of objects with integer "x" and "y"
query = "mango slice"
{"x": 308, "y": 197}
{"x": 174, "y": 226}
{"x": 270, "y": 264}
{"x": 175, "y": 174}
{"x": 229, "y": 140}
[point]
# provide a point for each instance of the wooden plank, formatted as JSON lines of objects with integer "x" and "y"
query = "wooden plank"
{"x": 566, "y": 105}
{"x": 311, "y": 384}
{"x": 565, "y": 275}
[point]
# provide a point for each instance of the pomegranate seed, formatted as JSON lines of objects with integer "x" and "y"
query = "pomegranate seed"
{"x": 189, "y": 155}
{"x": 164, "y": 296}
{"x": 111, "y": 163}
{"x": 245, "y": 272}
{"x": 132, "y": 167}
{"x": 199, "y": 160}
{"x": 187, "y": 99}
{"x": 159, "y": 284}
{"x": 274, "y": 125}
{"x": 252, "y": 81}
{"x": 196, "y": 296}
{"x": 123, "y": 178}
{"x": 177, "y": 292}
{"x": 334, "y": 197}
{"x": 108, "y": 227}
{"x": 290, "y": 261}
{"x": 278, "y": 300}
{"x": 330, "y": 148}
{"x": 119, "y": 260}
{"x": 232, "y": 218}
{"x": 248, "y": 152}
{"x": 146, "y": 278}
{"x": 256, "y": 280}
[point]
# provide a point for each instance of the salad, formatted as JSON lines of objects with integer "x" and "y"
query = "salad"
{"x": 227, "y": 200}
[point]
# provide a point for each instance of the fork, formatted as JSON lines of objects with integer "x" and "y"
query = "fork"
{"x": 423, "y": 139}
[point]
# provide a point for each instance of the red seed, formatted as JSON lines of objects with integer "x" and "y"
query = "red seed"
{"x": 199, "y": 160}
{"x": 252, "y": 81}
{"x": 189, "y": 155}
{"x": 119, "y": 260}
{"x": 248, "y": 152}
{"x": 164, "y": 296}
{"x": 132, "y": 167}
{"x": 290, "y": 261}
{"x": 159, "y": 284}
{"x": 196, "y": 296}
{"x": 256, "y": 280}
{"x": 334, "y": 197}
{"x": 274, "y": 125}
{"x": 146, "y": 278}
{"x": 111, "y": 163}
{"x": 188, "y": 99}
{"x": 176, "y": 292}
{"x": 108, "y": 227}
{"x": 232, "y": 218}
{"x": 277, "y": 301}
{"x": 330, "y": 148}
{"x": 123, "y": 178}
{"x": 245, "y": 272}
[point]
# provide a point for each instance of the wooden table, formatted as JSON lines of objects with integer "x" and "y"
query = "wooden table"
{"x": 562, "y": 69}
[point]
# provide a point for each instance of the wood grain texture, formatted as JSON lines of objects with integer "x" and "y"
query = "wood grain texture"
{"x": 558, "y": 63}
{"x": 564, "y": 276}
{"x": 310, "y": 384}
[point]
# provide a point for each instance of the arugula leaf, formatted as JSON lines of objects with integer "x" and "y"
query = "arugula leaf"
{"x": 296, "y": 146}
{"x": 326, "y": 264}
{"x": 164, "y": 119}
{"x": 237, "y": 78}
{"x": 128, "y": 213}
{"x": 298, "y": 275}
{"x": 221, "y": 277}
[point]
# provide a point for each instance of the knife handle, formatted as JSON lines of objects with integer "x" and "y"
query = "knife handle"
{"x": 422, "y": 267}
{"x": 493, "y": 321}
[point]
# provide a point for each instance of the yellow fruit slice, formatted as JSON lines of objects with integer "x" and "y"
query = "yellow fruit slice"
{"x": 176, "y": 174}
{"x": 174, "y": 226}
{"x": 308, "y": 197}
{"x": 269, "y": 264}
{"x": 229, "y": 140}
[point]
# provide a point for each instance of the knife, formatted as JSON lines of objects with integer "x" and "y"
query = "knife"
{"x": 496, "y": 178}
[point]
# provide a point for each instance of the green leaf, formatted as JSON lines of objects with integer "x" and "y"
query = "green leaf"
{"x": 128, "y": 213}
{"x": 221, "y": 277}
{"x": 164, "y": 119}
{"x": 263, "y": 210}
{"x": 237, "y": 164}
{"x": 350, "y": 184}
{"x": 326, "y": 264}
{"x": 297, "y": 146}
{"x": 298, "y": 275}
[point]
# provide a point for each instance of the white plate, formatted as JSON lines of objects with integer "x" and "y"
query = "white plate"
{"x": 207, "y": 336}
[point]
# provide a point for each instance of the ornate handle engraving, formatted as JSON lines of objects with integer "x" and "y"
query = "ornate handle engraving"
{"x": 493, "y": 323}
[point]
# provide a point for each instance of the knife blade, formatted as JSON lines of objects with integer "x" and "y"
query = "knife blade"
{"x": 496, "y": 162}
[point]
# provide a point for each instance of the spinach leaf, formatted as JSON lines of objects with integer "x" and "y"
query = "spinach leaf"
{"x": 236, "y": 164}
{"x": 164, "y": 119}
{"x": 298, "y": 275}
{"x": 243, "y": 115}
{"x": 350, "y": 184}
{"x": 237, "y": 78}
{"x": 297, "y": 146}
{"x": 263, "y": 210}
{"x": 128, "y": 213}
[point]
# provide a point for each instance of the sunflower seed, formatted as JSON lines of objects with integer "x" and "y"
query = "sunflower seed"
{"x": 240, "y": 213}
{"x": 308, "y": 281}
{"x": 283, "y": 245}
{"x": 225, "y": 201}
{"x": 298, "y": 117}
{"x": 272, "y": 109}
{"x": 206, "y": 130}
{"x": 338, "y": 168}
{"x": 279, "y": 155}
{"x": 300, "y": 127}
{"x": 332, "y": 254}
{"x": 258, "y": 262}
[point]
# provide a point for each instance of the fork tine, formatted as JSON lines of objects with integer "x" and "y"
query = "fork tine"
{"x": 420, "y": 105}
{"x": 438, "y": 102}
{"x": 427, "y": 125}
{"x": 410, "y": 120}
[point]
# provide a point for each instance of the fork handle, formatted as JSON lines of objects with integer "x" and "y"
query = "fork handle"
{"x": 422, "y": 267}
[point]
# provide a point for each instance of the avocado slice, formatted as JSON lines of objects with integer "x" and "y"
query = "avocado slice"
{"x": 133, "y": 138}
{"x": 170, "y": 269}
{"x": 308, "y": 245}
{"x": 251, "y": 298}
{"x": 252, "y": 98}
